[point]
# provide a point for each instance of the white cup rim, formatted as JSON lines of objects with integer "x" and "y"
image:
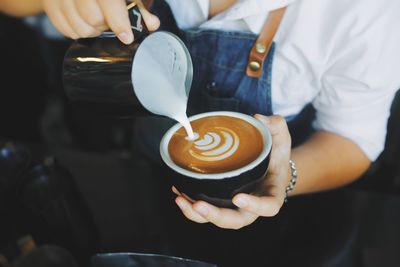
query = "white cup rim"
{"x": 267, "y": 138}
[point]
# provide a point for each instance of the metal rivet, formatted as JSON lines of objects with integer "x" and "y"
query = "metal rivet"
{"x": 261, "y": 48}
{"x": 254, "y": 65}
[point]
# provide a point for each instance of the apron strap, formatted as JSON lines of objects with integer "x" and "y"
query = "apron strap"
{"x": 263, "y": 43}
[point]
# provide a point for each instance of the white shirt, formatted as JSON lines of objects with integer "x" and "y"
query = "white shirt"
{"x": 343, "y": 56}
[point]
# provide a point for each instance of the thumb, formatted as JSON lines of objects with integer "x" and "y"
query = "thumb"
{"x": 281, "y": 140}
{"x": 276, "y": 124}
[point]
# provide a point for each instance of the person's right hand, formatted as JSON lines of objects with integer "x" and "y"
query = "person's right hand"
{"x": 89, "y": 18}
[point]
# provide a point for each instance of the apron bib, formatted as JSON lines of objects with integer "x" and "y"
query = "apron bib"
{"x": 220, "y": 83}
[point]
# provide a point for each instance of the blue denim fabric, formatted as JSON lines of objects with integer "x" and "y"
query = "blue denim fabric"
{"x": 220, "y": 82}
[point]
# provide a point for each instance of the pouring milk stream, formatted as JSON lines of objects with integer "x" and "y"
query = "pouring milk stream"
{"x": 162, "y": 76}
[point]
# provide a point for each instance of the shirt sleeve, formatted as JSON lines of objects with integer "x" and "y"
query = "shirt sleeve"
{"x": 359, "y": 84}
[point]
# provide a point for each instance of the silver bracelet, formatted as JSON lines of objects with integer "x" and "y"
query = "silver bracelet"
{"x": 293, "y": 180}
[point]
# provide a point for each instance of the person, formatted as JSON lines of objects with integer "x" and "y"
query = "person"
{"x": 339, "y": 56}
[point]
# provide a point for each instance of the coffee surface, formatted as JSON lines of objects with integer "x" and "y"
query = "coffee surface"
{"x": 223, "y": 144}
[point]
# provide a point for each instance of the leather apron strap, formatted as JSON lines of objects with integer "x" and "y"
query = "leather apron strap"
{"x": 263, "y": 44}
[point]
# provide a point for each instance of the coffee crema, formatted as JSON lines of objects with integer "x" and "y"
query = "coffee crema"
{"x": 223, "y": 144}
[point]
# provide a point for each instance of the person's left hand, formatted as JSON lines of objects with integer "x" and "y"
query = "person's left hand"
{"x": 269, "y": 197}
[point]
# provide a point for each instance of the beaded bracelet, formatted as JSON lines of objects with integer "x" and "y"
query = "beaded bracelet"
{"x": 293, "y": 180}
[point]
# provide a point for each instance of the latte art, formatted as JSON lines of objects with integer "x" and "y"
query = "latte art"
{"x": 223, "y": 144}
{"x": 216, "y": 146}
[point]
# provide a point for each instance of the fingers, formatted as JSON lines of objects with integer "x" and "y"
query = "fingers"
{"x": 266, "y": 206}
{"x": 188, "y": 211}
{"x": 55, "y": 14}
{"x": 202, "y": 212}
{"x": 90, "y": 11}
{"x": 66, "y": 15}
{"x": 281, "y": 142}
{"x": 116, "y": 16}
{"x": 276, "y": 124}
{"x": 76, "y": 22}
{"x": 88, "y": 18}
{"x": 175, "y": 191}
{"x": 224, "y": 218}
{"x": 251, "y": 207}
{"x": 152, "y": 22}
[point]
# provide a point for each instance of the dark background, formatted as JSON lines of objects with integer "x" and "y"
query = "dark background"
{"x": 86, "y": 186}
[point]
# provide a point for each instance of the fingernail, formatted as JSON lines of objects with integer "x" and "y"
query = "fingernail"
{"x": 175, "y": 191}
{"x": 125, "y": 37}
{"x": 181, "y": 204}
{"x": 240, "y": 202}
{"x": 202, "y": 210}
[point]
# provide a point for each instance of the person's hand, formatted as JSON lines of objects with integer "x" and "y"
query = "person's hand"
{"x": 89, "y": 18}
{"x": 269, "y": 197}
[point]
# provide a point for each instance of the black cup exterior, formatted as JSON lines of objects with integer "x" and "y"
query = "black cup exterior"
{"x": 219, "y": 192}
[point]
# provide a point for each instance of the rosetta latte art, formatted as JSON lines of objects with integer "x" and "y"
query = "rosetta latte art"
{"x": 222, "y": 144}
{"x": 215, "y": 146}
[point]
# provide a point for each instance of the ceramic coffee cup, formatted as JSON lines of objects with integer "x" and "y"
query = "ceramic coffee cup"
{"x": 218, "y": 188}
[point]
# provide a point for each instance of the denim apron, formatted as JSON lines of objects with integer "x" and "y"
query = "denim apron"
{"x": 220, "y": 83}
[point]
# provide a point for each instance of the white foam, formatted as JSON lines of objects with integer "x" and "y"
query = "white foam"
{"x": 215, "y": 147}
{"x": 213, "y": 139}
{"x": 207, "y": 140}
